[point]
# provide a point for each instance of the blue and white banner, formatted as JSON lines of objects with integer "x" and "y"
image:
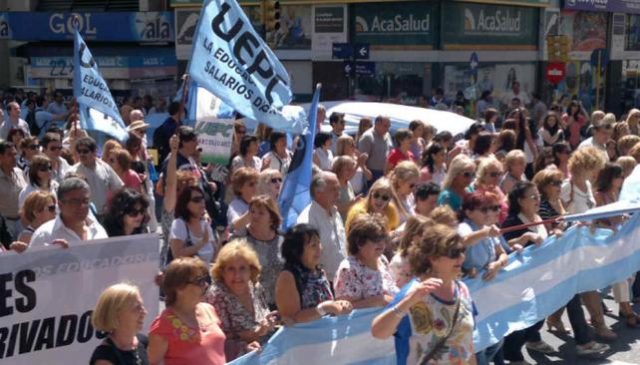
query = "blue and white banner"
{"x": 98, "y": 110}
{"x": 231, "y": 60}
{"x": 345, "y": 340}
{"x": 295, "y": 194}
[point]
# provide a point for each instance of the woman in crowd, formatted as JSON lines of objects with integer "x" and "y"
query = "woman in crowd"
{"x": 524, "y": 204}
{"x": 459, "y": 177}
{"x": 270, "y": 183}
{"x": 322, "y": 155}
{"x": 345, "y": 146}
{"x": 120, "y": 161}
{"x": 378, "y": 201}
{"x": 40, "y": 178}
{"x": 29, "y": 148}
{"x": 263, "y": 236}
{"x": 303, "y": 293}
{"x": 278, "y": 157}
{"x": 126, "y": 214}
{"x": 191, "y": 233}
{"x": 561, "y": 153}
{"x": 188, "y": 331}
{"x": 243, "y": 183}
{"x": 489, "y": 174}
{"x": 248, "y": 155}
{"x": 364, "y": 277}
{"x": 551, "y": 131}
{"x": 345, "y": 168}
{"x": 238, "y": 298}
{"x": 620, "y": 129}
{"x": 484, "y": 146}
{"x": 434, "y": 299}
{"x": 515, "y": 162}
{"x": 363, "y": 126}
{"x": 402, "y": 152}
{"x": 627, "y": 163}
{"x": 633, "y": 119}
{"x": 120, "y": 313}
{"x": 404, "y": 179}
{"x": 434, "y": 166}
{"x": 418, "y": 144}
{"x": 107, "y": 148}
{"x": 572, "y": 122}
{"x": 607, "y": 191}
{"x": 505, "y": 142}
{"x": 399, "y": 266}
{"x": 38, "y": 208}
{"x": 16, "y": 136}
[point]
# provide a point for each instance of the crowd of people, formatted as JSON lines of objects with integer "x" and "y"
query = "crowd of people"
{"x": 396, "y": 220}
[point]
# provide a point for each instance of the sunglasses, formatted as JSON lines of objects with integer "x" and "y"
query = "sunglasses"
{"x": 534, "y": 197}
{"x": 83, "y": 151}
{"x": 52, "y": 208}
{"x": 55, "y": 148}
{"x": 34, "y": 147}
{"x": 135, "y": 212}
{"x": 468, "y": 174}
{"x": 45, "y": 168}
{"x": 455, "y": 252}
{"x": 276, "y": 180}
{"x": 381, "y": 197}
{"x": 204, "y": 280}
{"x": 491, "y": 208}
{"x": 556, "y": 183}
{"x": 495, "y": 174}
{"x": 197, "y": 199}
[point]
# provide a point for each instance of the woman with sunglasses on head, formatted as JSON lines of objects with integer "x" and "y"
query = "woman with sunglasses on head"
{"x": 191, "y": 233}
{"x": 38, "y": 208}
{"x": 270, "y": 183}
{"x": 459, "y": 177}
{"x": 404, "y": 178}
{"x": 364, "y": 278}
{"x": 126, "y": 214}
{"x": 40, "y": 178}
{"x": 189, "y": 330}
{"x": 488, "y": 176}
{"x": 263, "y": 236}
{"x": 432, "y": 316}
{"x": 378, "y": 201}
{"x": 524, "y": 204}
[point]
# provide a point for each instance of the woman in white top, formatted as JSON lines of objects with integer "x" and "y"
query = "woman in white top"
{"x": 322, "y": 155}
{"x": 40, "y": 178}
{"x": 191, "y": 233}
{"x": 278, "y": 157}
{"x": 248, "y": 155}
{"x": 345, "y": 146}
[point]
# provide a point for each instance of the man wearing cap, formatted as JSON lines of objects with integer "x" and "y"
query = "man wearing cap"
{"x": 601, "y": 130}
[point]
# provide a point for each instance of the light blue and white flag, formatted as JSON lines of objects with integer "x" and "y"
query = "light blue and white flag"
{"x": 344, "y": 340}
{"x": 295, "y": 194}
{"x": 98, "y": 111}
{"x": 231, "y": 60}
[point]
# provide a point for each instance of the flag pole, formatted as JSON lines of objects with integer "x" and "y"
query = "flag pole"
{"x": 185, "y": 82}
{"x": 527, "y": 225}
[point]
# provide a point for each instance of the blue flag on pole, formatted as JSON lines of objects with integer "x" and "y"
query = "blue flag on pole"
{"x": 233, "y": 62}
{"x": 98, "y": 111}
{"x": 295, "y": 195}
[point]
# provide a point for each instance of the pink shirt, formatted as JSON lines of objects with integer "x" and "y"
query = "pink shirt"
{"x": 132, "y": 180}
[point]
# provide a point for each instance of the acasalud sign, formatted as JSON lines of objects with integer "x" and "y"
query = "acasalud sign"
{"x": 492, "y": 21}
{"x": 395, "y": 23}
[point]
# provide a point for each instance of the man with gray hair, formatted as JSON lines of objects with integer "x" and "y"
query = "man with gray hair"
{"x": 73, "y": 224}
{"x": 377, "y": 144}
{"x": 323, "y": 215}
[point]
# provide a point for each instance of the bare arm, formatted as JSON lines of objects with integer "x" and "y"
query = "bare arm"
{"x": 157, "y": 348}
{"x": 288, "y": 300}
{"x": 170, "y": 190}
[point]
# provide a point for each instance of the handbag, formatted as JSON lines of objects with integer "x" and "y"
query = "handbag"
{"x": 426, "y": 356}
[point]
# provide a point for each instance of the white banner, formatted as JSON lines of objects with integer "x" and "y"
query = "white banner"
{"x": 47, "y": 296}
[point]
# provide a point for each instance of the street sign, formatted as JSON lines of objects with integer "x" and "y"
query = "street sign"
{"x": 600, "y": 58}
{"x": 348, "y": 67}
{"x": 361, "y": 51}
{"x": 474, "y": 62}
{"x": 342, "y": 51}
{"x": 555, "y": 72}
{"x": 365, "y": 68}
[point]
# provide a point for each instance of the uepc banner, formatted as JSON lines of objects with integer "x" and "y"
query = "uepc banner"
{"x": 47, "y": 296}
{"x": 233, "y": 62}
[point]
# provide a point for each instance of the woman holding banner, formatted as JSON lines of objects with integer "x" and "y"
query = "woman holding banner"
{"x": 120, "y": 313}
{"x": 432, "y": 316}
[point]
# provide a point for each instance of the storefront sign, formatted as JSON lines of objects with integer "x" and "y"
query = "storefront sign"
{"x": 329, "y": 27}
{"x": 109, "y": 27}
{"x": 620, "y": 6}
{"x": 391, "y": 24}
{"x": 489, "y": 27}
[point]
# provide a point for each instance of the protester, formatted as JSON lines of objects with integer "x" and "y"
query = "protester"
{"x": 52, "y": 148}
{"x": 120, "y": 313}
{"x": 378, "y": 201}
{"x": 303, "y": 293}
{"x": 278, "y": 157}
{"x": 73, "y": 224}
{"x": 363, "y": 125}
{"x": 11, "y": 184}
{"x": 40, "y": 178}
{"x": 459, "y": 176}
{"x": 364, "y": 278}
{"x": 418, "y": 144}
{"x": 243, "y": 183}
{"x": 39, "y": 207}
{"x": 336, "y": 121}
{"x": 345, "y": 168}
{"x": 126, "y": 214}
{"x": 434, "y": 299}
{"x": 121, "y": 162}
{"x": 270, "y": 183}
{"x": 376, "y": 143}
{"x": 189, "y": 330}
{"x": 248, "y": 155}
{"x": 488, "y": 176}
{"x": 168, "y": 128}
{"x": 401, "y": 153}
{"x": 345, "y": 146}
{"x": 404, "y": 179}
{"x": 239, "y": 300}
{"x": 434, "y": 164}
{"x": 13, "y": 121}
{"x": 426, "y": 198}
{"x": 322, "y": 155}
{"x": 551, "y": 131}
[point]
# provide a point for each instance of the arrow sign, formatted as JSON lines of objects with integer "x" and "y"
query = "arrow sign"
{"x": 474, "y": 63}
{"x": 365, "y": 68}
{"x": 348, "y": 68}
{"x": 361, "y": 51}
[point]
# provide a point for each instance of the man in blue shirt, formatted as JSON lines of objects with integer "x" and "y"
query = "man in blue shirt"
{"x": 162, "y": 135}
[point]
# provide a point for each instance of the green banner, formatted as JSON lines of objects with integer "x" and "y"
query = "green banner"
{"x": 477, "y": 26}
{"x": 408, "y": 23}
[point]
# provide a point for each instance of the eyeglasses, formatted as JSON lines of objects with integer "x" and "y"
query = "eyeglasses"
{"x": 45, "y": 168}
{"x": 83, "y": 151}
{"x": 135, "y": 212}
{"x": 455, "y": 252}
{"x": 204, "y": 280}
{"x": 76, "y": 202}
{"x": 534, "y": 197}
{"x": 52, "y": 208}
{"x": 495, "y": 174}
{"x": 54, "y": 148}
{"x": 556, "y": 183}
{"x": 276, "y": 180}
{"x": 491, "y": 208}
{"x": 197, "y": 199}
{"x": 34, "y": 147}
{"x": 468, "y": 174}
{"x": 381, "y": 197}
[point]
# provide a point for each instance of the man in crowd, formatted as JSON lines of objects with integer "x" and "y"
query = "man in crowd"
{"x": 52, "y": 148}
{"x": 102, "y": 180}
{"x": 11, "y": 183}
{"x": 323, "y": 215}
{"x": 515, "y": 92}
{"x": 58, "y": 107}
{"x": 13, "y": 121}
{"x": 601, "y": 130}
{"x": 73, "y": 224}
{"x": 336, "y": 120}
{"x": 376, "y": 143}
{"x": 162, "y": 135}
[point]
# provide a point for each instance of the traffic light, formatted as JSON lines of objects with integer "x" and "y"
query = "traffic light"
{"x": 272, "y": 15}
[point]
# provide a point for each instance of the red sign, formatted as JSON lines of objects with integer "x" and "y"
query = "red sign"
{"x": 555, "y": 72}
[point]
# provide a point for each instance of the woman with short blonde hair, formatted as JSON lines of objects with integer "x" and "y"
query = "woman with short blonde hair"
{"x": 404, "y": 178}
{"x": 459, "y": 176}
{"x": 270, "y": 183}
